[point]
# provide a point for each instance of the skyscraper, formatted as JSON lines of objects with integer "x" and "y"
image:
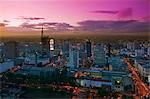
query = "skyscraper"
{"x": 88, "y": 48}
{"x": 73, "y": 58}
{"x": 99, "y": 56}
{"x": 10, "y": 50}
{"x": 65, "y": 49}
{"x": 109, "y": 50}
{"x": 51, "y": 42}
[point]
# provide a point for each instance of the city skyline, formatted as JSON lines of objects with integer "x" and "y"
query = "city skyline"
{"x": 75, "y": 49}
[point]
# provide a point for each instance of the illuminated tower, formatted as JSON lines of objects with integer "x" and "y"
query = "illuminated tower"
{"x": 51, "y": 42}
{"x": 51, "y": 48}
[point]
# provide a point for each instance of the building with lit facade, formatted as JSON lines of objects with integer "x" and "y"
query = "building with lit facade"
{"x": 51, "y": 42}
{"x": 111, "y": 80}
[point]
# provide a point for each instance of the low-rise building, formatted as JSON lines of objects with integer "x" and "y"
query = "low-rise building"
{"x": 36, "y": 61}
{"x": 37, "y": 71}
{"x": 143, "y": 67}
{"x": 6, "y": 66}
{"x": 115, "y": 81}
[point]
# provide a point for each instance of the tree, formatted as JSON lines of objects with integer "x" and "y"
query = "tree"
{"x": 102, "y": 92}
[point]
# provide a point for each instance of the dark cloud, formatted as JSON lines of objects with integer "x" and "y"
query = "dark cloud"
{"x": 105, "y": 11}
{"x": 30, "y": 18}
{"x": 3, "y": 24}
{"x": 114, "y": 26}
{"x": 6, "y": 21}
{"x": 123, "y": 13}
{"x": 48, "y": 25}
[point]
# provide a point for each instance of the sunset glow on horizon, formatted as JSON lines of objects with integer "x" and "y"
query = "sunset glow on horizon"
{"x": 67, "y": 11}
{"x": 15, "y": 13}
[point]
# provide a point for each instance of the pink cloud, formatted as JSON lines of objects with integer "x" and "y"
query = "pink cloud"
{"x": 125, "y": 13}
{"x": 145, "y": 18}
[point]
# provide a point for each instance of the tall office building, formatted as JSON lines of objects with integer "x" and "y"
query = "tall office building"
{"x": 66, "y": 47}
{"x": 82, "y": 55}
{"x": 73, "y": 58}
{"x": 88, "y": 48}
{"x": 1, "y": 53}
{"x": 109, "y": 50}
{"x": 10, "y": 50}
{"x": 99, "y": 56}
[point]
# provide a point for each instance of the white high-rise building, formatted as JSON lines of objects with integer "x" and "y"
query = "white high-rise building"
{"x": 51, "y": 42}
{"x": 73, "y": 58}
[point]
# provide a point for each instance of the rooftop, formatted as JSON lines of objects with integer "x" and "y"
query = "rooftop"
{"x": 6, "y": 65}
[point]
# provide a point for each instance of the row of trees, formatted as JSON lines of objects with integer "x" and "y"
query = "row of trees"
{"x": 58, "y": 78}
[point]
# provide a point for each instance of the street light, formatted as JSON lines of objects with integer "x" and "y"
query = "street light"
{"x": 118, "y": 81}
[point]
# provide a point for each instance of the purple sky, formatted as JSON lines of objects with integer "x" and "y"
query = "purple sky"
{"x": 71, "y": 11}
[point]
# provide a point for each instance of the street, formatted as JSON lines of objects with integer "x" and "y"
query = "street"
{"x": 142, "y": 88}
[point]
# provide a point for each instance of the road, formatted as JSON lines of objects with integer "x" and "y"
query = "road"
{"x": 142, "y": 88}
